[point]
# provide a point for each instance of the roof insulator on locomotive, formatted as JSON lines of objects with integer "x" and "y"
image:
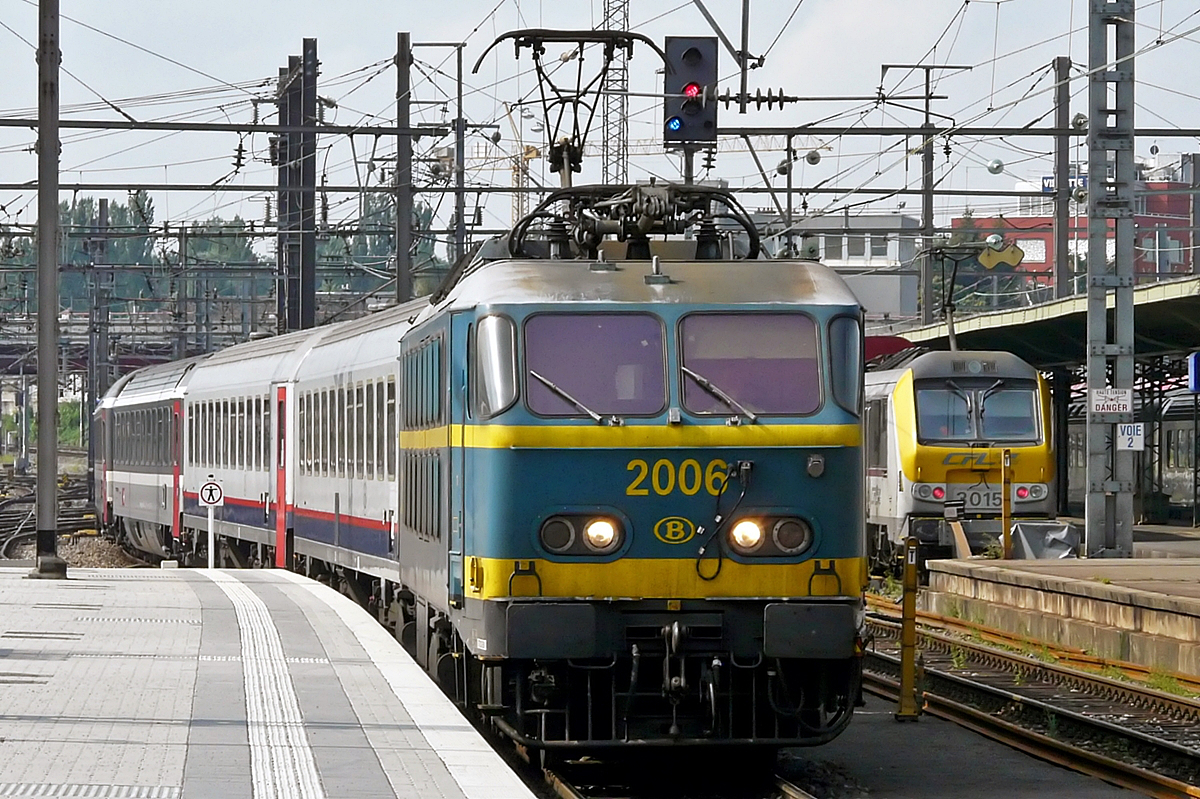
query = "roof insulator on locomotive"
{"x": 708, "y": 241}
{"x": 638, "y": 248}
{"x": 559, "y": 238}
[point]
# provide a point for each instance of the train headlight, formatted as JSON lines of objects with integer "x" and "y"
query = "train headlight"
{"x": 746, "y": 536}
{"x": 792, "y": 536}
{"x": 558, "y": 534}
{"x": 600, "y": 535}
{"x": 1031, "y": 492}
{"x": 930, "y": 492}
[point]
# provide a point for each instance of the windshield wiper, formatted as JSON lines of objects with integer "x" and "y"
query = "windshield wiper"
{"x": 708, "y": 386}
{"x": 958, "y": 390}
{"x": 989, "y": 392}
{"x": 613, "y": 420}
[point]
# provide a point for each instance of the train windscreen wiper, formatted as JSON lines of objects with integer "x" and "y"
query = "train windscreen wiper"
{"x": 992, "y": 389}
{"x": 708, "y": 386}
{"x": 957, "y": 389}
{"x": 613, "y": 420}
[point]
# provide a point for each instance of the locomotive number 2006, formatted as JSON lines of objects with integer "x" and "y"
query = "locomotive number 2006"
{"x": 665, "y": 477}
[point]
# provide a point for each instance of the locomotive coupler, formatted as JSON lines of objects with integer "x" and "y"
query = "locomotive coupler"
{"x": 542, "y": 686}
{"x": 674, "y": 685}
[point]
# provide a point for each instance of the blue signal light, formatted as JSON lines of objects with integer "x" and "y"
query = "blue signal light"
{"x": 674, "y": 124}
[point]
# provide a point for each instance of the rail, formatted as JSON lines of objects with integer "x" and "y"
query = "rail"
{"x": 1127, "y": 734}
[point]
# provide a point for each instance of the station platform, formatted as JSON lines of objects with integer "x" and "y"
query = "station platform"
{"x": 1142, "y": 610}
{"x": 224, "y": 684}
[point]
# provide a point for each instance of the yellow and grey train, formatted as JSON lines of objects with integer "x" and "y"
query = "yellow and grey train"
{"x": 935, "y": 431}
{"x": 607, "y": 489}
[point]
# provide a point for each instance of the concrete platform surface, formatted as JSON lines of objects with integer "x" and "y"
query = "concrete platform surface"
{"x": 223, "y": 684}
{"x": 1144, "y": 611}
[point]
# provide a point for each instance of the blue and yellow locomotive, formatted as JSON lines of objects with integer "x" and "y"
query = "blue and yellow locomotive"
{"x": 610, "y": 492}
{"x": 655, "y": 490}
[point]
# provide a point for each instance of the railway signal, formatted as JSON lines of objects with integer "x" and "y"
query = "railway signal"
{"x": 690, "y": 89}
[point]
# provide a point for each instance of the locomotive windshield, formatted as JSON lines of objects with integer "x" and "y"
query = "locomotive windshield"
{"x": 761, "y": 363}
{"x": 590, "y": 364}
{"x": 1000, "y": 410}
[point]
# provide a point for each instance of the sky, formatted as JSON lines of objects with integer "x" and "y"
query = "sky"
{"x": 211, "y": 61}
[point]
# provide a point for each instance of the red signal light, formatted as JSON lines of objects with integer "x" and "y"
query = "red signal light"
{"x": 939, "y": 492}
{"x": 1022, "y": 492}
{"x": 692, "y": 90}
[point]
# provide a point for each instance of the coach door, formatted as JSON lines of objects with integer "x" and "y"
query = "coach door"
{"x": 283, "y": 529}
{"x": 176, "y": 470}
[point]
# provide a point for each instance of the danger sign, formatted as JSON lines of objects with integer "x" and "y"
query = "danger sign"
{"x": 1112, "y": 400}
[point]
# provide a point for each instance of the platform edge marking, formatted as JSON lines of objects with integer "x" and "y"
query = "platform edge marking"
{"x": 281, "y": 761}
{"x": 438, "y": 720}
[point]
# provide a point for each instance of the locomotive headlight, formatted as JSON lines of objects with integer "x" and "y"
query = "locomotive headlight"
{"x": 1031, "y": 492}
{"x": 792, "y": 536}
{"x": 558, "y": 534}
{"x": 746, "y": 535}
{"x": 600, "y": 534}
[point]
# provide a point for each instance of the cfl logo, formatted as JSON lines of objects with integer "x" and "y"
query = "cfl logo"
{"x": 674, "y": 530}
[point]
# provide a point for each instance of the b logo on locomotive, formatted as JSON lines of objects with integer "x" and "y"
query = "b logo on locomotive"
{"x": 674, "y": 530}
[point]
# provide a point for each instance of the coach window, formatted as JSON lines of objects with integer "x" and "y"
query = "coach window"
{"x": 241, "y": 433}
{"x": 766, "y": 363}
{"x": 351, "y": 435}
{"x": 281, "y": 434}
{"x": 302, "y": 435}
{"x": 392, "y": 443}
{"x": 267, "y": 432}
{"x": 380, "y": 440}
{"x": 494, "y": 367}
{"x": 846, "y": 365}
{"x": 319, "y": 422}
{"x": 314, "y": 430}
{"x": 369, "y": 416}
{"x": 255, "y": 408}
{"x": 340, "y": 421}
{"x": 875, "y": 433}
{"x": 230, "y": 458}
{"x": 361, "y": 431}
{"x": 318, "y": 425}
{"x": 595, "y": 364}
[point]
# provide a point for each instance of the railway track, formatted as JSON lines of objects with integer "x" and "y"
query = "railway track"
{"x": 1125, "y": 733}
{"x": 18, "y": 506}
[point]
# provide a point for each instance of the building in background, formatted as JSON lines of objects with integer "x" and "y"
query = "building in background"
{"x": 1164, "y": 215}
{"x": 875, "y": 253}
